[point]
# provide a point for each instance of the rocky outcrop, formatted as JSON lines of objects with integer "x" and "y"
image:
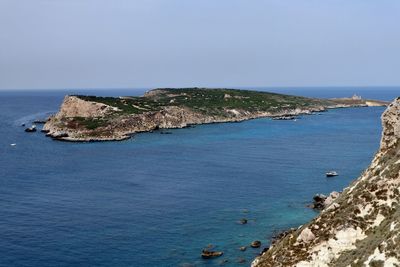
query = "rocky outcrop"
{"x": 73, "y": 106}
{"x": 359, "y": 228}
{"x": 320, "y": 201}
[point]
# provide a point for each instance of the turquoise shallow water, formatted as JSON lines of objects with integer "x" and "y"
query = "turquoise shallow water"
{"x": 157, "y": 200}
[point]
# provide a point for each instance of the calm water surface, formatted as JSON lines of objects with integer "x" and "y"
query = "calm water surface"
{"x": 157, "y": 200}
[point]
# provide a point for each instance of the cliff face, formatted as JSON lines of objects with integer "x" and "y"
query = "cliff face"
{"x": 362, "y": 226}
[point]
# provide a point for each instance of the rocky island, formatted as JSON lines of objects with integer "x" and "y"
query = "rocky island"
{"x": 361, "y": 227}
{"x": 91, "y": 118}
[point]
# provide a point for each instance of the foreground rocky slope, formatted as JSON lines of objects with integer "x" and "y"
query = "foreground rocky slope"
{"x": 90, "y": 118}
{"x": 362, "y": 226}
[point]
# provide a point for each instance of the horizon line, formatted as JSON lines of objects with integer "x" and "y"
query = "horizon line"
{"x": 207, "y": 87}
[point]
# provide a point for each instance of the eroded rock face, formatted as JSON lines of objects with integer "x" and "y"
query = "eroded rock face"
{"x": 75, "y": 107}
{"x": 362, "y": 226}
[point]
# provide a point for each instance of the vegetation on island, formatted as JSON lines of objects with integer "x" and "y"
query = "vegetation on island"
{"x": 177, "y": 107}
{"x": 213, "y": 102}
{"x": 206, "y": 100}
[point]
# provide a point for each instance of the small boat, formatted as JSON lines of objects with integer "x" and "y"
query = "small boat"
{"x": 13, "y": 144}
{"x": 331, "y": 174}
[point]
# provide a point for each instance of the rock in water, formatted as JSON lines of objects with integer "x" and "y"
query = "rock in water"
{"x": 255, "y": 244}
{"x": 321, "y": 201}
{"x": 207, "y": 254}
{"x": 31, "y": 129}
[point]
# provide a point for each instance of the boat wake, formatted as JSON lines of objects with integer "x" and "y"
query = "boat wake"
{"x": 33, "y": 118}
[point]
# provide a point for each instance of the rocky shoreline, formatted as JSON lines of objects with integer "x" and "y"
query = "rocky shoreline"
{"x": 320, "y": 202}
{"x": 360, "y": 226}
{"x": 89, "y": 119}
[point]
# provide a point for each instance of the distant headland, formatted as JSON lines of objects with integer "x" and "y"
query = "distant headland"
{"x": 91, "y": 118}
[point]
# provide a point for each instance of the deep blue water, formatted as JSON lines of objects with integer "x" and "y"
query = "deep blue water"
{"x": 157, "y": 200}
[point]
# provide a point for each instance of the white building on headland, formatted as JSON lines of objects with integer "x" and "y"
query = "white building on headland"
{"x": 356, "y": 97}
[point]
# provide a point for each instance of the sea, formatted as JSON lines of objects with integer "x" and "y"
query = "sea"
{"x": 159, "y": 199}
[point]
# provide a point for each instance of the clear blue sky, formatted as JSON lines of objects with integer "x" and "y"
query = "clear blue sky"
{"x": 157, "y": 43}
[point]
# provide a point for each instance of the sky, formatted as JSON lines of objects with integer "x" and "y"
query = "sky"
{"x": 58, "y": 44}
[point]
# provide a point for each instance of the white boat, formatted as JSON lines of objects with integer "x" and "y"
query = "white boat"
{"x": 13, "y": 144}
{"x": 331, "y": 174}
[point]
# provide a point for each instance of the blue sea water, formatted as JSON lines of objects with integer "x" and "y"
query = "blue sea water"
{"x": 157, "y": 200}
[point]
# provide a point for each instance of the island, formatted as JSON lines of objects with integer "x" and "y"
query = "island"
{"x": 92, "y": 118}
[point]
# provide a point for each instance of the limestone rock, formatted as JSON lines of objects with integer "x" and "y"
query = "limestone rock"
{"x": 306, "y": 236}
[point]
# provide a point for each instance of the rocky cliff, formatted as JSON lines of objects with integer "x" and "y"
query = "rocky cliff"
{"x": 90, "y": 118}
{"x": 362, "y": 226}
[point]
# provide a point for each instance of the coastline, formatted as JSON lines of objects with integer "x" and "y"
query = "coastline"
{"x": 360, "y": 225}
{"x": 256, "y": 141}
{"x": 88, "y": 119}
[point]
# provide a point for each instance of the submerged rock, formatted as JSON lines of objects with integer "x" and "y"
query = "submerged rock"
{"x": 223, "y": 262}
{"x": 241, "y": 260}
{"x": 243, "y": 221}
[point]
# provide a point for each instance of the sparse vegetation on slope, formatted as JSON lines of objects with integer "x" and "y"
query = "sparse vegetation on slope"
{"x": 207, "y": 100}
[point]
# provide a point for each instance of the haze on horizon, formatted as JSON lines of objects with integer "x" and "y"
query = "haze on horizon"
{"x": 175, "y": 43}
